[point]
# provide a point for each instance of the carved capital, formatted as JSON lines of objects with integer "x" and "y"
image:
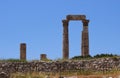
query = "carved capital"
{"x": 85, "y": 22}
{"x": 65, "y": 22}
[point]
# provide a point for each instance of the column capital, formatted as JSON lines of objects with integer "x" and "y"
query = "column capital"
{"x": 85, "y": 22}
{"x": 65, "y": 22}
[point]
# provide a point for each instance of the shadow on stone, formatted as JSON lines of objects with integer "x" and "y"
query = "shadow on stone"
{"x": 3, "y": 75}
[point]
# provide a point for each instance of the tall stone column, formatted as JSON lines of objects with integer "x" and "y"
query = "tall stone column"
{"x": 22, "y": 51}
{"x": 85, "y": 38}
{"x": 65, "y": 40}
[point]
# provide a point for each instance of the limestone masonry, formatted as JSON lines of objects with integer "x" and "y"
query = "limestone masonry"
{"x": 103, "y": 64}
{"x": 85, "y": 35}
{"x": 22, "y": 51}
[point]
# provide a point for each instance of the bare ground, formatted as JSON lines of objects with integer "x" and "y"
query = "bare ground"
{"x": 95, "y": 76}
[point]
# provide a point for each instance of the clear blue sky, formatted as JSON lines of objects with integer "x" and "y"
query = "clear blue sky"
{"x": 38, "y": 24}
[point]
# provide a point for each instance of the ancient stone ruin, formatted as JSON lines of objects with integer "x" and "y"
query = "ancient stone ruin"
{"x": 85, "y": 38}
{"x": 85, "y": 35}
{"x": 93, "y": 65}
{"x": 43, "y": 56}
{"x": 22, "y": 51}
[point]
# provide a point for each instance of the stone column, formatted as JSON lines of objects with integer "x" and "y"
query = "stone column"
{"x": 43, "y": 56}
{"x": 22, "y": 51}
{"x": 85, "y": 38}
{"x": 65, "y": 40}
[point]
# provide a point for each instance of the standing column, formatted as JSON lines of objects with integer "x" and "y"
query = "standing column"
{"x": 43, "y": 57}
{"x": 65, "y": 40}
{"x": 22, "y": 51}
{"x": 85, "y": 38}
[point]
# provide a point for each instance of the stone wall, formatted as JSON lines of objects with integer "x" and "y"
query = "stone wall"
{"x": 105, "y": 64}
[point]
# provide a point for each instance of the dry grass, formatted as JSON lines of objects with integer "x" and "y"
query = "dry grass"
{"x": 65, "y": 74}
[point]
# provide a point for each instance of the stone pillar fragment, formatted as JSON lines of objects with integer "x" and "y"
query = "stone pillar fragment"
{"x": 65, "y": 39}
{"x": 43, "y": 57}
{"x": 85, "y": 39}
{"x": 22, "y": 51}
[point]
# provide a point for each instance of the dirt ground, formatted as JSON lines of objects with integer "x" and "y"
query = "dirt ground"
{"x": 95, "y": 76}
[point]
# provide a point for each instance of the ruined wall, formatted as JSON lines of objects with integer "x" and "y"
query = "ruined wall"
{"x": 56, "y": 66}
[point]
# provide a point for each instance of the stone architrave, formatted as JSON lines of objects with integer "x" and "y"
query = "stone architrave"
{"x": 22, "y": 51}
{"x": 85, "y": 35}
{"x": 75, "y": 17}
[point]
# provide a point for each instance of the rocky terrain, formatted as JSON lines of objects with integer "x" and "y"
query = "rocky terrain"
{"x": 102, "y": 64}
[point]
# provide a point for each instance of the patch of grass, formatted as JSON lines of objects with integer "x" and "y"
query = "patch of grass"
{"x": 82, "y": 57}
{"x": 94, "y": 57}
{"x": 105, "y": 55}
{"x": 46, "y": 60}
{"x": 27, "y": 75}
{"x": 77, "y": 73}
{"x": 12, "y": 60}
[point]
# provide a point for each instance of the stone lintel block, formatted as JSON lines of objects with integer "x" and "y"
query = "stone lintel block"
{"x": 75, "y": 17}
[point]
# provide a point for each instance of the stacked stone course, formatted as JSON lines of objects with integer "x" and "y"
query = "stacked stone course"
{"x": 106, "y": 64}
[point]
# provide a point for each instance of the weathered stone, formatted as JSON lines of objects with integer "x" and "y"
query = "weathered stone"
{"x": 65, "y": 40}
{"x": 94, "y": 65}
{"x": 85, "y": 35}
{"x": 4, "y": 75}
{"x": 85, "y": 39}
{"x": 22, "y": 51}
{"x": 43, "y": 56}
{"x": 75, "y": 17}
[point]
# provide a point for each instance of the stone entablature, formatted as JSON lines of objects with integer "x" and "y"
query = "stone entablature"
{"x": 75, "y": 17}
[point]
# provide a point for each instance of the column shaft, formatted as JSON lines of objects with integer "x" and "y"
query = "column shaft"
{"x": 65, "y": 40}
{"x": 22, "y": 51}
{"x": 85, "y": 39}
